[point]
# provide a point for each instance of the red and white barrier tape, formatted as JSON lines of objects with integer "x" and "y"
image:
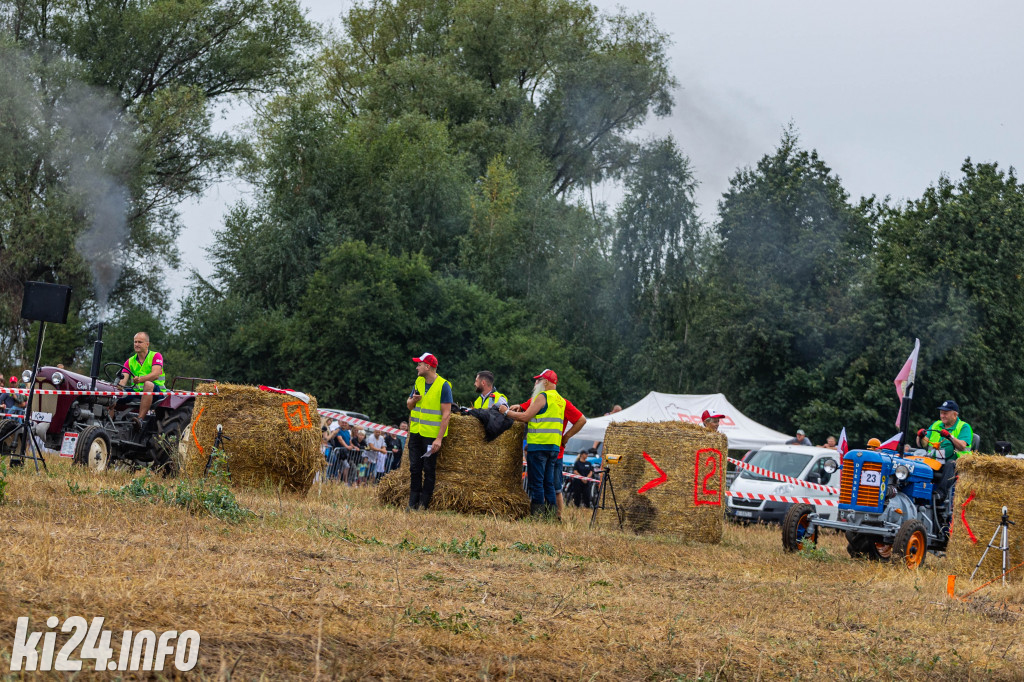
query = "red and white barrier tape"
{"x": 13, "y": 416}
{"x": 362, "y": 422}
{"x": 783, "y": 498}
{"x": 582, "y": 478}
{"x": 785, "y": 479}
{"x": 44, "y": 391}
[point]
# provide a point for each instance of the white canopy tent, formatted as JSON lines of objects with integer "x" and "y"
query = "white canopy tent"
{"x": 743, "y": 433}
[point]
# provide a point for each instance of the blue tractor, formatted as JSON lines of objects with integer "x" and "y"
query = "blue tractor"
{"x": 891, "y": 508}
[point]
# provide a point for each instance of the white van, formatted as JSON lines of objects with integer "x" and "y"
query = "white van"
{"x": 803, "y": 462}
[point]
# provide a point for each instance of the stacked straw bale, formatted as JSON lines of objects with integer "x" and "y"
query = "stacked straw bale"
{"x": 473, "y": 476}
{"x": 270, "y": 445}
{"x": 687, "y": 505}
{"x": 995, "y": 482}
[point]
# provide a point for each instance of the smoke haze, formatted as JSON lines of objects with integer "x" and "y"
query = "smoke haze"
{"x": 79, "y": 134}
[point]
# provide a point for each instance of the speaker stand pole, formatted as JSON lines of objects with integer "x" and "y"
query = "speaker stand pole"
{"x": 28, "y": 437}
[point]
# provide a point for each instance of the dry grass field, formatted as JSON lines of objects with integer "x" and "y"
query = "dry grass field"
{"x": 333, "y": 586}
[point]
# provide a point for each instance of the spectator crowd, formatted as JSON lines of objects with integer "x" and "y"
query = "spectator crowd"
{"x": 360, "y": 457}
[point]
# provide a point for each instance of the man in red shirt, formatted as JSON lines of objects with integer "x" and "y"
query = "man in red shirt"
{"x": 572, "y": 416}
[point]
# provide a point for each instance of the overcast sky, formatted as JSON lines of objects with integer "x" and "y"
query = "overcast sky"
{"x": 891, "y": 94}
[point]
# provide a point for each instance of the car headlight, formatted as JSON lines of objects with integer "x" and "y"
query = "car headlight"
{"x": 830, "y": 466}
{"x": 56, "y": 378}
{"x": 26, "y": 376}
{"x": 901, "y": 472}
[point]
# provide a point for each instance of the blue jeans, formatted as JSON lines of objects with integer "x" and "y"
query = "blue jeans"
{"x": 541, "y": 471}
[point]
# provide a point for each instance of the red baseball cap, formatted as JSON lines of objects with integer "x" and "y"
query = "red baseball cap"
{"x": 14, "y": 380}
{"x": 707, "y": 415}
{"x": 548, "y": 374}
{"x": 427, "y": 358}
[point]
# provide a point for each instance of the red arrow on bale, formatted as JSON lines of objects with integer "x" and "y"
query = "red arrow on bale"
{"x": 654, "y": 482}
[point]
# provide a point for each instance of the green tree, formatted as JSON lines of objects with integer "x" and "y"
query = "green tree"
{"x": 349, "y": 338}
{"x": 788, "y": 273}
{"x": 950, "y": 271}
{"x": 107, "y": 112}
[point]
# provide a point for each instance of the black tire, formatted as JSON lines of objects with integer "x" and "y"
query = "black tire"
{"x": 910, "y": 546}
{"x": 93, "y": 449}
{"x": 794, "y": 527}
{"x": 859, "y": 545}
{"x": 163, "y": 446}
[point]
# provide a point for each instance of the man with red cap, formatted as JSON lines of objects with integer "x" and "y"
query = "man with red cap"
{"x": 710, "y": 421}
{"x": 12, "y": 403}
{"x": 572, "y": 416}
{"x": 430, "y": 404}
{"x": 544, "y": 423}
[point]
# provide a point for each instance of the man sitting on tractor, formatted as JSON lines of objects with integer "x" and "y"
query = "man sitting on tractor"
{"x": 950, "y": 435}
{"x": 147, "y": 368}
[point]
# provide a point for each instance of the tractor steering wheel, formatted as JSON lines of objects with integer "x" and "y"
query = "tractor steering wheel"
{"x": 119, "y": 370}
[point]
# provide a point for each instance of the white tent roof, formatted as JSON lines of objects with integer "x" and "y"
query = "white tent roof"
{"x": 743, "y": 433}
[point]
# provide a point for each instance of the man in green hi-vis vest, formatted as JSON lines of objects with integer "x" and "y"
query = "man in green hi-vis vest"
{"x": 147, "y": 368}
{"x": 430, "y": 405}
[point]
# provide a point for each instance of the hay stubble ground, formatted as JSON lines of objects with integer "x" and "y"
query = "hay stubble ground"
{"x": 334, "y": 586}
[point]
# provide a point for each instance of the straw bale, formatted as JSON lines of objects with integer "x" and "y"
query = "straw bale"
{"x": 473, "y": 476}
{"x": 689, "y": 503}
{"x": 995, "y": 481}
{"x": 275, "y": 438}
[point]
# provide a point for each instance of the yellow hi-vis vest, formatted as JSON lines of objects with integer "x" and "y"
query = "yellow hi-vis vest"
{"x": 934, "y": 437}
{"x": 141, "y": 369}
{"x": 489, "y": 401}
{"x": 546, "y": 427}
{"x": 426, "y": 414}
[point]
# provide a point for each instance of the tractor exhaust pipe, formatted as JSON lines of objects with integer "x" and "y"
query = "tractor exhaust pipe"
{"x": 97, "y": 357}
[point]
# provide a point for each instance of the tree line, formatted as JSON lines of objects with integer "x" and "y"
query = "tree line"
{"x": 424, "y": 180}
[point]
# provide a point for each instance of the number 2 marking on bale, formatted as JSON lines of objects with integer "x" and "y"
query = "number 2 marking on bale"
{"x": 298, "y": 418}
{"x": 701, "y": 494}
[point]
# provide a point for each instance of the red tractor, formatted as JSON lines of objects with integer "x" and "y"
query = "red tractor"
{"x": 85, "y": 428}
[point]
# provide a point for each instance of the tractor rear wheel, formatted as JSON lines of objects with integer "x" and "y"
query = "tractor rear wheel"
{"x": 93, "y": 449}
{"x": 910, "y": 545}
{"x": 859, "y": 545}
{"x": 164, "y": 446}
{"x": 794, "y": 528}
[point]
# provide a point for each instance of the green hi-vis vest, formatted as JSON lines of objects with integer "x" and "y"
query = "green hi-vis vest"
{"x": 489, "y": 401}
{"x": 426, "y": 414}
{"x": 934, "y": 437}
{"x": 546, "y": 427}
{"x": 144, "y": 368}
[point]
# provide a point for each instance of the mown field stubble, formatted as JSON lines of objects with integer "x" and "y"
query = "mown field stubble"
{"x": 333, "y": 586}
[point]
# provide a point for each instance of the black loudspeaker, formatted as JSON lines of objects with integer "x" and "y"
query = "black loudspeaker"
{"x": 45, "y": 302}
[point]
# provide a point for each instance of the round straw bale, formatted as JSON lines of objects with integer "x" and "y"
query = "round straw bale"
{"x": 473, "y": 476}
{"x": 274, "y": 439}
{"x": 989, "y": 482}
{"x": 689, "y": 503}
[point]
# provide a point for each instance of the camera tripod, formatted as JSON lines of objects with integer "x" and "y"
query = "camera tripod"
{"x": 27, "y": 437}
{"x": 602, "y": 495}
{"x": 1003, "y": 546}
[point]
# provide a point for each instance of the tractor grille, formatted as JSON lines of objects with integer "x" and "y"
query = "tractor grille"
{"x": 868, "y": 495}
{"x": 846, "y": 483}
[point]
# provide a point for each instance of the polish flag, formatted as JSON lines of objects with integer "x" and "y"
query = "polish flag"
{"x": 906, "y": 377}
{"x": 843, "y": 446}
{"x": 892, "y": 443}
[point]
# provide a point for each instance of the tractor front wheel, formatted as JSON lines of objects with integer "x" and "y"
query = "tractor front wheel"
{"x": 910, "y": 545}
{"x": 794, "y": 528}
{"x": 93, "y": 449}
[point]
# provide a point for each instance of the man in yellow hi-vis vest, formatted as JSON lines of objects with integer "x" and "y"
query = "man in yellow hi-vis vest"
{"x": 489, "y": 397}
{"x": 543, "y": 441}
{"x": 430, "y": 404}
{"x": 147, "y": 368}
